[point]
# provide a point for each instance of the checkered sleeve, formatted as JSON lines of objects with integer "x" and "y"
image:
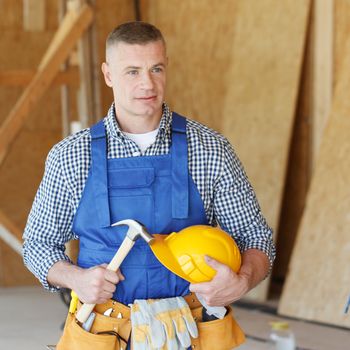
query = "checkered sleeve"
{"x": 49, "y": 223}
{"x": 236, "y": 208}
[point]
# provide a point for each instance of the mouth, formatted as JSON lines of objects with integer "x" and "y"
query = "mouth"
{"x": 148, "y": 98}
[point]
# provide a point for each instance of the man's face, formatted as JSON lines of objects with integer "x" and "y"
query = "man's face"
{"x": 137, "y": 75}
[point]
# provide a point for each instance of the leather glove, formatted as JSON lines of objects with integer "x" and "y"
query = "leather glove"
{"x": 170, "y": 322}
{"x": 141, "y": 335}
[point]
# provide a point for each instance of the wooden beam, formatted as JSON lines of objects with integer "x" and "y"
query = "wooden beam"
{"x": 73, "y": 26}
{"x": 9, "y": 233}
{"x": 34, "y": 15}
{"x": 24, "y": 77}
{"x": 85, "y": 98}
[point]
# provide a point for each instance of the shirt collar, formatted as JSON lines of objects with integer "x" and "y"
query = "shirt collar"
{"x": 113, "y": 128}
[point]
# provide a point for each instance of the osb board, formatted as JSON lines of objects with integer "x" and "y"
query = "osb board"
{"x": 260, "y": 102}
{"x": 19, "y": 179}
{"x": 228, "y": 68}
{"x": 299, "y": 166}
{"x": 108, "y": 15}
{"x": 11, "y": 14}
{"x": 24, "y": 50}
{"x": 22, "y": 170}
{"x": 317, "y": 285}
{"x": 341, "y": 32}
{"x": 199, "y": 37}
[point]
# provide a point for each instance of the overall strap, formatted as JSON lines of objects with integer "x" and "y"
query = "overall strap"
{"x": 180, "y": 177}
{"x": 99, "y": 172}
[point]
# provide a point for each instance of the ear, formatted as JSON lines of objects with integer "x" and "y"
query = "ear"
{"x": 106, "y": 74}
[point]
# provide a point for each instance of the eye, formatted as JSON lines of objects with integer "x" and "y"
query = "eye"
{"x": 157, "y": 69}
{"x": 132, "y": 72}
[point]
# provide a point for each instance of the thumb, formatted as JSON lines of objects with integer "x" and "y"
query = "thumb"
{"x": 120, "y": 275}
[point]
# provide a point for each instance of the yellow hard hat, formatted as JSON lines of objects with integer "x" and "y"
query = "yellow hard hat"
{"x": 183, "y": 252}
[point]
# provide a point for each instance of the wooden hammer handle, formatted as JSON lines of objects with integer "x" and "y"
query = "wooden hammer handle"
{"x": 86, "y": 309}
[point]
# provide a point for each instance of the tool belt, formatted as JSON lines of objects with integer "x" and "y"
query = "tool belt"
{"x": 113, "y": 333}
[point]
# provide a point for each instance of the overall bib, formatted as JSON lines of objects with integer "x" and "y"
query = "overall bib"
{"x": 157, "y": 191}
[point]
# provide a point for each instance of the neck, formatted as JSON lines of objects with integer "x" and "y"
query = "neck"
{"x": 138, "y": 124}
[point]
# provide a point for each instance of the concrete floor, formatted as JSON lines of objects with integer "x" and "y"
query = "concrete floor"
{"x": 30, "y": 318}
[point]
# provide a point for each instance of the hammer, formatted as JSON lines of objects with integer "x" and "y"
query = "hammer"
{"x": 135, "y": 231}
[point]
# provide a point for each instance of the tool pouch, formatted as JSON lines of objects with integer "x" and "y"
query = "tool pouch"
{"x": 107, "y": 333}
{"x": 224, "y": 334}
{"x": 110, "y": 333}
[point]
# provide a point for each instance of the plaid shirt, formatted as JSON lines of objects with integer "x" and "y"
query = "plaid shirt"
{"x": 229, "y": 199}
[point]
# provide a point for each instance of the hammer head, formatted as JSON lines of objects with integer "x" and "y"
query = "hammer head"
{"x": 136, "y": 230}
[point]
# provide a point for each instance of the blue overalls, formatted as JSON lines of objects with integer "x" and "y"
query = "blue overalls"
{"x": 157, "y": 191}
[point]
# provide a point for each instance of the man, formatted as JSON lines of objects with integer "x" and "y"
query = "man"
{"x": 139, "y": 163}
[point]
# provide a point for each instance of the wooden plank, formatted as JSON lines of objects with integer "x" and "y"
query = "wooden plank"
{"x": 65, "y": 97}
{"x": 299, "y": 170}
{"x": 313, "y": 109}
{"x": 322, "y": 70}
{"x": 24, "y": 77}
{"x": 318, "y": 282}
{"x": 341, "y": 32}
{"x": 34, "y": 15}
{"x": 74, "y": 24}
{"x": 260, "y": 102}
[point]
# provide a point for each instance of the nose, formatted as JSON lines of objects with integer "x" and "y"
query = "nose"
{"x": 147, "y": 81}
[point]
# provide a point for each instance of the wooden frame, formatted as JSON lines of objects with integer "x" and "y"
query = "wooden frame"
{"x": 70, "y": 31}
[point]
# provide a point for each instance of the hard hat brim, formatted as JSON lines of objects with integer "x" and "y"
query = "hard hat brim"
{"x": 165, "y": 256}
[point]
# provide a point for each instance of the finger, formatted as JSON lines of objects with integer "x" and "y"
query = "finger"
{"x": 109, "y": 287}
{"x": 201, "y": 288}
{"x": 104, "y": 297}
{"x": 112, "y": 276}
{"x": 216, "y": 265}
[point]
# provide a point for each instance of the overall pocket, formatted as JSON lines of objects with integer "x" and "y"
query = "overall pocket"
{"x": 130, "y": 194}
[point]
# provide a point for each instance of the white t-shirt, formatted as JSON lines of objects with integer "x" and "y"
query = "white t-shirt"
{"x": 143, "y": 140}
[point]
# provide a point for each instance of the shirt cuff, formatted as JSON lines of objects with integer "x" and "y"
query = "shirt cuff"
{"x": 266, "y": 247}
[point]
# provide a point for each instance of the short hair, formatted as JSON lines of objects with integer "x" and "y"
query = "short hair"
{"x": 134, "y": 33}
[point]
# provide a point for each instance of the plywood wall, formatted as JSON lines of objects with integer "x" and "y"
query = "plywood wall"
{"x": 228, "y": 68}
{"x": 261, "y": 100}
{"x": 199, "y": 41}
{"x": 317, "y": 285}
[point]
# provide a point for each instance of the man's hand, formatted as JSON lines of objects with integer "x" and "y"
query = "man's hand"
{"x": 96, "y": 285}
{"x": 228, "y": 286}
{"x": 225, "y": 288}
{"x": 93, "y": 286}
